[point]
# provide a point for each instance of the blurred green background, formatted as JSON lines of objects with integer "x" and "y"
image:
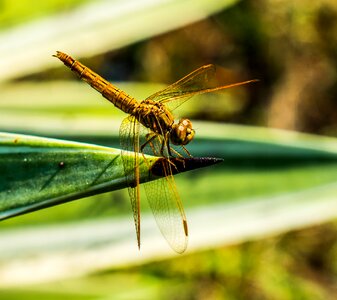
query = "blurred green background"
{"x": 262, "y": 223}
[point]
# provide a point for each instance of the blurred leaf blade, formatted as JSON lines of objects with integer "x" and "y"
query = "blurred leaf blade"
{"x": 264, "y": 147}
{"x": 14, "y": 13}
{"x": 126, "y": 22}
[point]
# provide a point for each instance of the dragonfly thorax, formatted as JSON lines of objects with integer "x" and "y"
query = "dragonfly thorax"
{"x": 182, "y": 132}
{"x": 155, "y": 116}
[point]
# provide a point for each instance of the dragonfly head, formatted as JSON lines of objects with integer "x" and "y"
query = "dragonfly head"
{"x": 182, "y": 132}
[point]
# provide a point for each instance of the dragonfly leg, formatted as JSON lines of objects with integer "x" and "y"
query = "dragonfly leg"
{"x": 170, "y": 149}
{"x": 164, "y": 143}
{"x": 188, "y": 153}
{"x": 149, "y": 141}
{"x": 176, "y": 153}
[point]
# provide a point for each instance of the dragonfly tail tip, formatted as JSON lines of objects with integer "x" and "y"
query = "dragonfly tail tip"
{"x": 58, "y": 54}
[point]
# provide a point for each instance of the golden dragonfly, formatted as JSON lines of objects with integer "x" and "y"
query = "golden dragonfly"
{"x": 150, "y": 128}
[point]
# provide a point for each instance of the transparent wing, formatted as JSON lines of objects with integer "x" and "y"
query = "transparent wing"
{"x": 168, "y": 211}
{"x": 129, "y": 140}
{"x": 163, "y": 197}
{"x": 202, "y": 80}
{"x": 162, "y": 194}
{"x": 166, "y": 205}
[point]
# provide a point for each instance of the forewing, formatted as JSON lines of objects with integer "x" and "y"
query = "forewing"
{"x": 129, "y": 140}
{"x": 168, "y": 210}
{"x": 200, "y": 81}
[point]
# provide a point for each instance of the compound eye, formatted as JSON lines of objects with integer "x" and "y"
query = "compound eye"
{"x": 182, "y": 133}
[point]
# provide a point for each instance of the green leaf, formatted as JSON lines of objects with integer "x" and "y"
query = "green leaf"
{"x": 41, "y": 172}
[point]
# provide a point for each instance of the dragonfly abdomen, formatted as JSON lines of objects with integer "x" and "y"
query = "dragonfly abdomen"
{"x": 116, "y": 96}
{"x": 119, "y": 98}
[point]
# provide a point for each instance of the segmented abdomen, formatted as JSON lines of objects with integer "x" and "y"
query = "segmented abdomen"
{"x": 119, "y": 98}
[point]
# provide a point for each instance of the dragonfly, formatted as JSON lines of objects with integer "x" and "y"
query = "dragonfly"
{"x": 150, "y": 127}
